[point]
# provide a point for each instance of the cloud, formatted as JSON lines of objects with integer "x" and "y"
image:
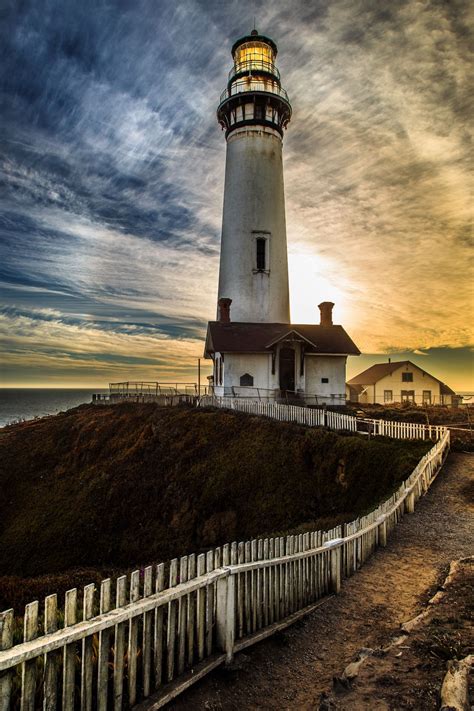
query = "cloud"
{"x": 112, "y": 169}
{"x": 36, "y": 342}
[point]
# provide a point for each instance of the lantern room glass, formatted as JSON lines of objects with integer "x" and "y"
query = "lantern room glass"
{"x": 254, "y": 56}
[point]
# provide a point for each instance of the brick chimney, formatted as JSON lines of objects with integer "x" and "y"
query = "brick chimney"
{"x": 223, "y": 310}
{"x": 326, "y": 313}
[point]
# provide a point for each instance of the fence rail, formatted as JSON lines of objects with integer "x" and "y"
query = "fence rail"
{"x": 151, "y": 388}
{"x": 321, "y": 417}
{"x": 152, "y": 639}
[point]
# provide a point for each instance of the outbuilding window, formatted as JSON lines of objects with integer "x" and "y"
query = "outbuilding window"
{"x": 325, "y": 380}
{"x": 246, "y": 379}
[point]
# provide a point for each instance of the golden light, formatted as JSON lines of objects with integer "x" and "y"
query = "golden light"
{"x": 309, "y": 287}
{"x": 253, "y": 55}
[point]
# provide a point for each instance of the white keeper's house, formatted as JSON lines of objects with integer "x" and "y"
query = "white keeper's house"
{"x": 402, "y": 381}
{"x": 255, "y": 348}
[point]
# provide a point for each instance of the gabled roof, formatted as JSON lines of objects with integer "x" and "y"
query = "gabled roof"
{"x": 291, "y": 335}
{"x": 235, "y": 337}
{"x": 378, "y": 371}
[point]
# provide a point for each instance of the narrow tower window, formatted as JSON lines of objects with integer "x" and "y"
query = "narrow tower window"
{"x": 261, "y": 253}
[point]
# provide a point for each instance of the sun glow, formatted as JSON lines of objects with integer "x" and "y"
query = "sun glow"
{"x": 309, "y": 287}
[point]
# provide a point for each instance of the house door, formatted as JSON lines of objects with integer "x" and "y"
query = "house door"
{"x": 408, "y": 396}
{"x": 287, "y": 369}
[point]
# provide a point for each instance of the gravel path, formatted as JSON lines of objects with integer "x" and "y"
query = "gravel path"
{"x": 292, "y": 669}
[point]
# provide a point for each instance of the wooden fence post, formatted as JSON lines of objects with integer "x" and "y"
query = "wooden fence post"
{"x": 28, "y": 674}
{"x": 225, "y": 615}
{"x": 6, "y": 641}
{"x": 383, "y": 534}
{"x": 335, "y": 570}
{"x": 410, "y": 502}
{"x": 50, "y": 660}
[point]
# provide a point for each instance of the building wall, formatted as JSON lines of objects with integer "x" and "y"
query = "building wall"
{"x": 254, "y": 206}
{"x": 235, "y": 365}
{"x": 259, "y": 366}
{"x": 334, "y": 369}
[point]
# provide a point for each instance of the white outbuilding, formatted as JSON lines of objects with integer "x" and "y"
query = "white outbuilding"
{"x": 280, "y": 360}
{"x": 397, "y": 382}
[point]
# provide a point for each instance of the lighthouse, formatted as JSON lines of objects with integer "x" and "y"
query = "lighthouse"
{"x": 256, "y": 351}
{"x": 254, "y": 111}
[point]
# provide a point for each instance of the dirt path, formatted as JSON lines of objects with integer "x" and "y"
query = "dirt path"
{"x": 292, "y": 669}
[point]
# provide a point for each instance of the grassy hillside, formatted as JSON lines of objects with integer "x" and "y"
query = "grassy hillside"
{"x": 115, "y": 486}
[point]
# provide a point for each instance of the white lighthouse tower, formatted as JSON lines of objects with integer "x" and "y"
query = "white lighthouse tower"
{"x": 256, "y": 351}
{"x": 254, "y": 110}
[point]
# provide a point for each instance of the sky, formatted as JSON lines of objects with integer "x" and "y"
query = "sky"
{"x": 112, "y": 176}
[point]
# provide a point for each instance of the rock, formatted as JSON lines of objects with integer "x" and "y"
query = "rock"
{"x": 352, "y": 669}
{"x": 455, "y": 688}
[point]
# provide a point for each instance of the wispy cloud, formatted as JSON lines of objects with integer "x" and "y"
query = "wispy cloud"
{"x": 112, "y": 170}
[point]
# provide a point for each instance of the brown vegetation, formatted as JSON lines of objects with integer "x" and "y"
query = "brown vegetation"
{"x": 117, "y": 486}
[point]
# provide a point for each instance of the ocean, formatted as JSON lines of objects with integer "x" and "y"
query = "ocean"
{"x": 17, "y": 404}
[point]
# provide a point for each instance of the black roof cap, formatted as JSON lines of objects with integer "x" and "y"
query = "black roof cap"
{"x": 254, "y": 37}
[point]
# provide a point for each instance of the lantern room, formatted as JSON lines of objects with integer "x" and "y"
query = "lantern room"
{"x": 254, "y": 53}
{"x": 254, "y": 94}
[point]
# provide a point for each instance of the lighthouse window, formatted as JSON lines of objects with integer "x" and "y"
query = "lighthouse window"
{"x": 258, "y": 108}
{"x": 261, "y": 253}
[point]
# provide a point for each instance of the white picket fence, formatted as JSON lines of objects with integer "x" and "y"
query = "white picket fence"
{"x": 319, "y": 417}
{"x": 153, "y": 639}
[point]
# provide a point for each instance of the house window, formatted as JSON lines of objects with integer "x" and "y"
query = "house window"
{"x": 218, "y": 369}
{"x": 246, "y": 379}
{"x": 325, "y": 380}
{"x": 408, "y": 396}
{"x": 388, "y": 395}
{"x": 261, "y": 253}
{"x": 426, "y": 397}
{"x": 407, "y": 377}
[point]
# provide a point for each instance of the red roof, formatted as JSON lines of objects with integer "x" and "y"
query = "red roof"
{"x": 235, "y": 337}
{"x": 376, "y": 372}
